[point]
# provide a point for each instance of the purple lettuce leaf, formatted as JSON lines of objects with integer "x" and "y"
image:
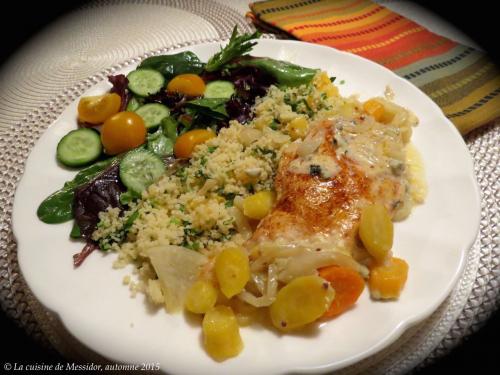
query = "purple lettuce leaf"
{"x": 96, "y": 196}
{"x": 249, "y": 83}
{"x": 120, "y": 84}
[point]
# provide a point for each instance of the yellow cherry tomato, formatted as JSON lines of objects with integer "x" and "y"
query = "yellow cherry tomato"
{"x": 185, "y": 144}
{"x": 97, "y": 109}
{"x": 122, "y": 132}
{"x": 188, "y": 84}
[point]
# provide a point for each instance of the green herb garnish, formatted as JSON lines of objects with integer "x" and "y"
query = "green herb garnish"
{"x": 118, "y": 236}
{"x": 262, "y": 151}
{"x": 274, "y": 125}
{"x": 238, "y": 46}
{"x": 175, "y": 221}
{"x": 314, "y": 170}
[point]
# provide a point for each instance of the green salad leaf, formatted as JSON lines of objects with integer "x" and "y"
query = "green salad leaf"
{"x": 169, "y": 126}
{"x": 286, "y": 73}
{"x": 160, "y": 144}
{"x": 75, "y": 231}
{"x": 58, "y": 207}
{"x": 172, "y": 65}
{"x": 213, "y": 107}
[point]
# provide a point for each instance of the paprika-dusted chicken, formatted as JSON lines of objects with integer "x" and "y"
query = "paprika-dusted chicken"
{"x": 322, "y": 184}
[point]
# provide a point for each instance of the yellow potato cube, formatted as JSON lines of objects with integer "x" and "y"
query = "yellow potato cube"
{"x": 331, "y": 91}
{"x": 322, "y": 83}
{"x": 321, "y": 80}
{"x": 201, "y": 297}
{"x": 302, "y": 301}
{"x": 375, "y": 109}
{"x": 258, "y": 205}
{"x": 232, "y": 269}
{"x": 376, "y": 231}
{"x": 297, "y": 128}
{"x": 221, "y": 334}
{"x": 387, "y": 280}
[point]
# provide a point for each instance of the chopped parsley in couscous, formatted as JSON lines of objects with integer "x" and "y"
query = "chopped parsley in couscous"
{"x": 192, "y": 207}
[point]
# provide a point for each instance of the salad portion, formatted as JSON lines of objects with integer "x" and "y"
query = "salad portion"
{"x": 245, "y": 189}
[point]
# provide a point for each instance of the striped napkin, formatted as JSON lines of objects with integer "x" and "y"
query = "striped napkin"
{"x": 460, "y": 79}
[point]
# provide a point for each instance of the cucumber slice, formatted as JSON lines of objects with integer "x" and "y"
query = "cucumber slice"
{"x": 139, "y": 169}
{"x": 152, "y": 114}
{"x": 219, "y": 89}
{"x": 145, "y": 82}
{"x": 79, "y": 147}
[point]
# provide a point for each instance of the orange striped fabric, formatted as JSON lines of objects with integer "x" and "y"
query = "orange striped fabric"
{"x": 460, "y": 79}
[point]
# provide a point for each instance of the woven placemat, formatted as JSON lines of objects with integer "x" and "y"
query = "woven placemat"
{"x": 78, "y": 60}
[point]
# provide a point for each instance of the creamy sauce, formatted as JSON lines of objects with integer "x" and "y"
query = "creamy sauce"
{"x": 324, "y": 166}
{"x": 374, "y": 147}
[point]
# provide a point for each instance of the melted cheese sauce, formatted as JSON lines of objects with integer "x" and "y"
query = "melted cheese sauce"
{"x": 324, "y": 166}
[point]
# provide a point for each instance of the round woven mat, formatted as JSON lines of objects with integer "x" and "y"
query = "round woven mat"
{"x": 87, "y": 45}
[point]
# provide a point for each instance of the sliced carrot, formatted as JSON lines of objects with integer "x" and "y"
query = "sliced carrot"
{"x": 348, "y": 286}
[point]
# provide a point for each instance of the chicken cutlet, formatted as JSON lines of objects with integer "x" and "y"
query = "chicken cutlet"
{"x": 323, "y": 183}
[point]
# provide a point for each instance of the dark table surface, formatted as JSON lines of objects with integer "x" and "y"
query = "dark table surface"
{"x": 478, "y": 352}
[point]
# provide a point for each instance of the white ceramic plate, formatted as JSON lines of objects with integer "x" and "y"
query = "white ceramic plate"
{"x": 96, "y": 307}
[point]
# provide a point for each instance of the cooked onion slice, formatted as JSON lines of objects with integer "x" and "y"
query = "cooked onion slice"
{"x": 269, "y": 294}
{"x": 242, "y": 225}
{"x": 177, "y": 269}
{"x": 309, "y": 261}
{"x": 294, "y": 261}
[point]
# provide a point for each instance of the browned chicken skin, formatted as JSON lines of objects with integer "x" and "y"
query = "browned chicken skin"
{"x": 309, "y": 206}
